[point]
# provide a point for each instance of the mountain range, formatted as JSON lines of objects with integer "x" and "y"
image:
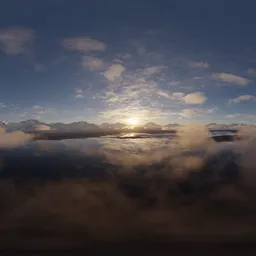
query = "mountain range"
{"x": 33, "y": 125}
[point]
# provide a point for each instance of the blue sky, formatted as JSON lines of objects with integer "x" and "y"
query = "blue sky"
{"x": 115, "y": 61}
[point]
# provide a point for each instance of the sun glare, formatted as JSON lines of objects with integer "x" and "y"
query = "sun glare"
{"x": 132, "y": 121}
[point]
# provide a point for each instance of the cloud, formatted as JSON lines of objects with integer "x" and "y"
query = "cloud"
{"x": 195, "y": 98}
{"x": 252, "y": 71}
{"x": 149, "y": 71}
{"x": 83, "y": 44}
{"x": 15, "y": 41}
{"x": 2, "y": 105}
{"x": 39, "y": 67}
{"x": 197, "y": 112}
{"x": 79, "y": 91}
{"x": 13, "y": 139}
{"x": 36, "y": 107}
{"x": 243, "y": 98}
{"x": 176, "y": 96}
{"x": 79, "y": 96}
{"x": 91, "y": 63}
{"x": 250, "y": 116}
{"x": 230, "y": 78}
{"x": 114, "y": 71}
{"x": 194, "y": 64}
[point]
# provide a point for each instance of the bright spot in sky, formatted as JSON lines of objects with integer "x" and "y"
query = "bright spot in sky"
{"x": 132, "y": 121}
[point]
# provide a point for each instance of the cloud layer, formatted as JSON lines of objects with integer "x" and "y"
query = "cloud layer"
{"x": 15, "y": 41}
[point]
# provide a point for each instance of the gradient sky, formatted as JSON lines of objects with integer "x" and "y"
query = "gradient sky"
{"x": 111, "y": 61}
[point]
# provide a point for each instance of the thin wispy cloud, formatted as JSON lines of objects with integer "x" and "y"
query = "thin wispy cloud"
{"x": 91, "y": 63}
{"x": 241, "y": 115}
{"x": 252, "y": 71}
{"x": 79, "y": 96}
{"x": 243, "y": 98}
{"x": 195, "y": 64}
{"x": 15, "y": 41}
{"x": 83, "y": 44}
{"x": 197, "y": 112}
{"x": 231, "y": 79}
{"x": 36, "y": 107}
{"x": 149, "y": 71}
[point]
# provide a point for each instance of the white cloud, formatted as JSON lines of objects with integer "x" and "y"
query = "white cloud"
{"x": 194, "y": 64}
{"x": 83, "y": 44}
{"x": 79, "y": 96}
{"x": 91, "y": 63}
{"x": 243, "y": 98}
{"x": 114, "y": 71}
{"x": 230, "y": 78}
{"x": 2, "y": 105}
{"x": 16, "y": 41}
{"x": 195, "y": 98}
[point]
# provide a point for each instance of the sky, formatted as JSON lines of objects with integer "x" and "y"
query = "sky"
{"x": 132, "y": 61}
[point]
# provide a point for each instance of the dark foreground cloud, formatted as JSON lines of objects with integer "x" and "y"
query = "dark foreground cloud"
{"x": 192, "y": 188}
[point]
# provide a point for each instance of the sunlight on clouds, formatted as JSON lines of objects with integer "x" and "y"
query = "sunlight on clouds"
{"x": 132, "y": 121}
{"x": 114, "y": 71}
{"x": 195, "y": 98}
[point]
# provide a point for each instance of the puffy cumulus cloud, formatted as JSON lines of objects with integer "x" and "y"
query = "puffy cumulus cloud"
{"x": 13, "y": 139}
{"x": 194, "y": 64}
{"x": 15, "y": 41}
{"x": 91, "y": 63}
{"x": 243, "y": 98}
{"x": 114, "y": 71}
{"x": 195, "y": 98}
{"x": 83, "y": 44}
{"x": 231, "y": 79}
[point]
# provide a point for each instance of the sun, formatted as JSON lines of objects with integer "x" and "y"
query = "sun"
{"x": 132, "y": 121}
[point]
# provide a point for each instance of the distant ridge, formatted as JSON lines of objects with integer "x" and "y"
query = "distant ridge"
{"x": 35, "y": 125}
